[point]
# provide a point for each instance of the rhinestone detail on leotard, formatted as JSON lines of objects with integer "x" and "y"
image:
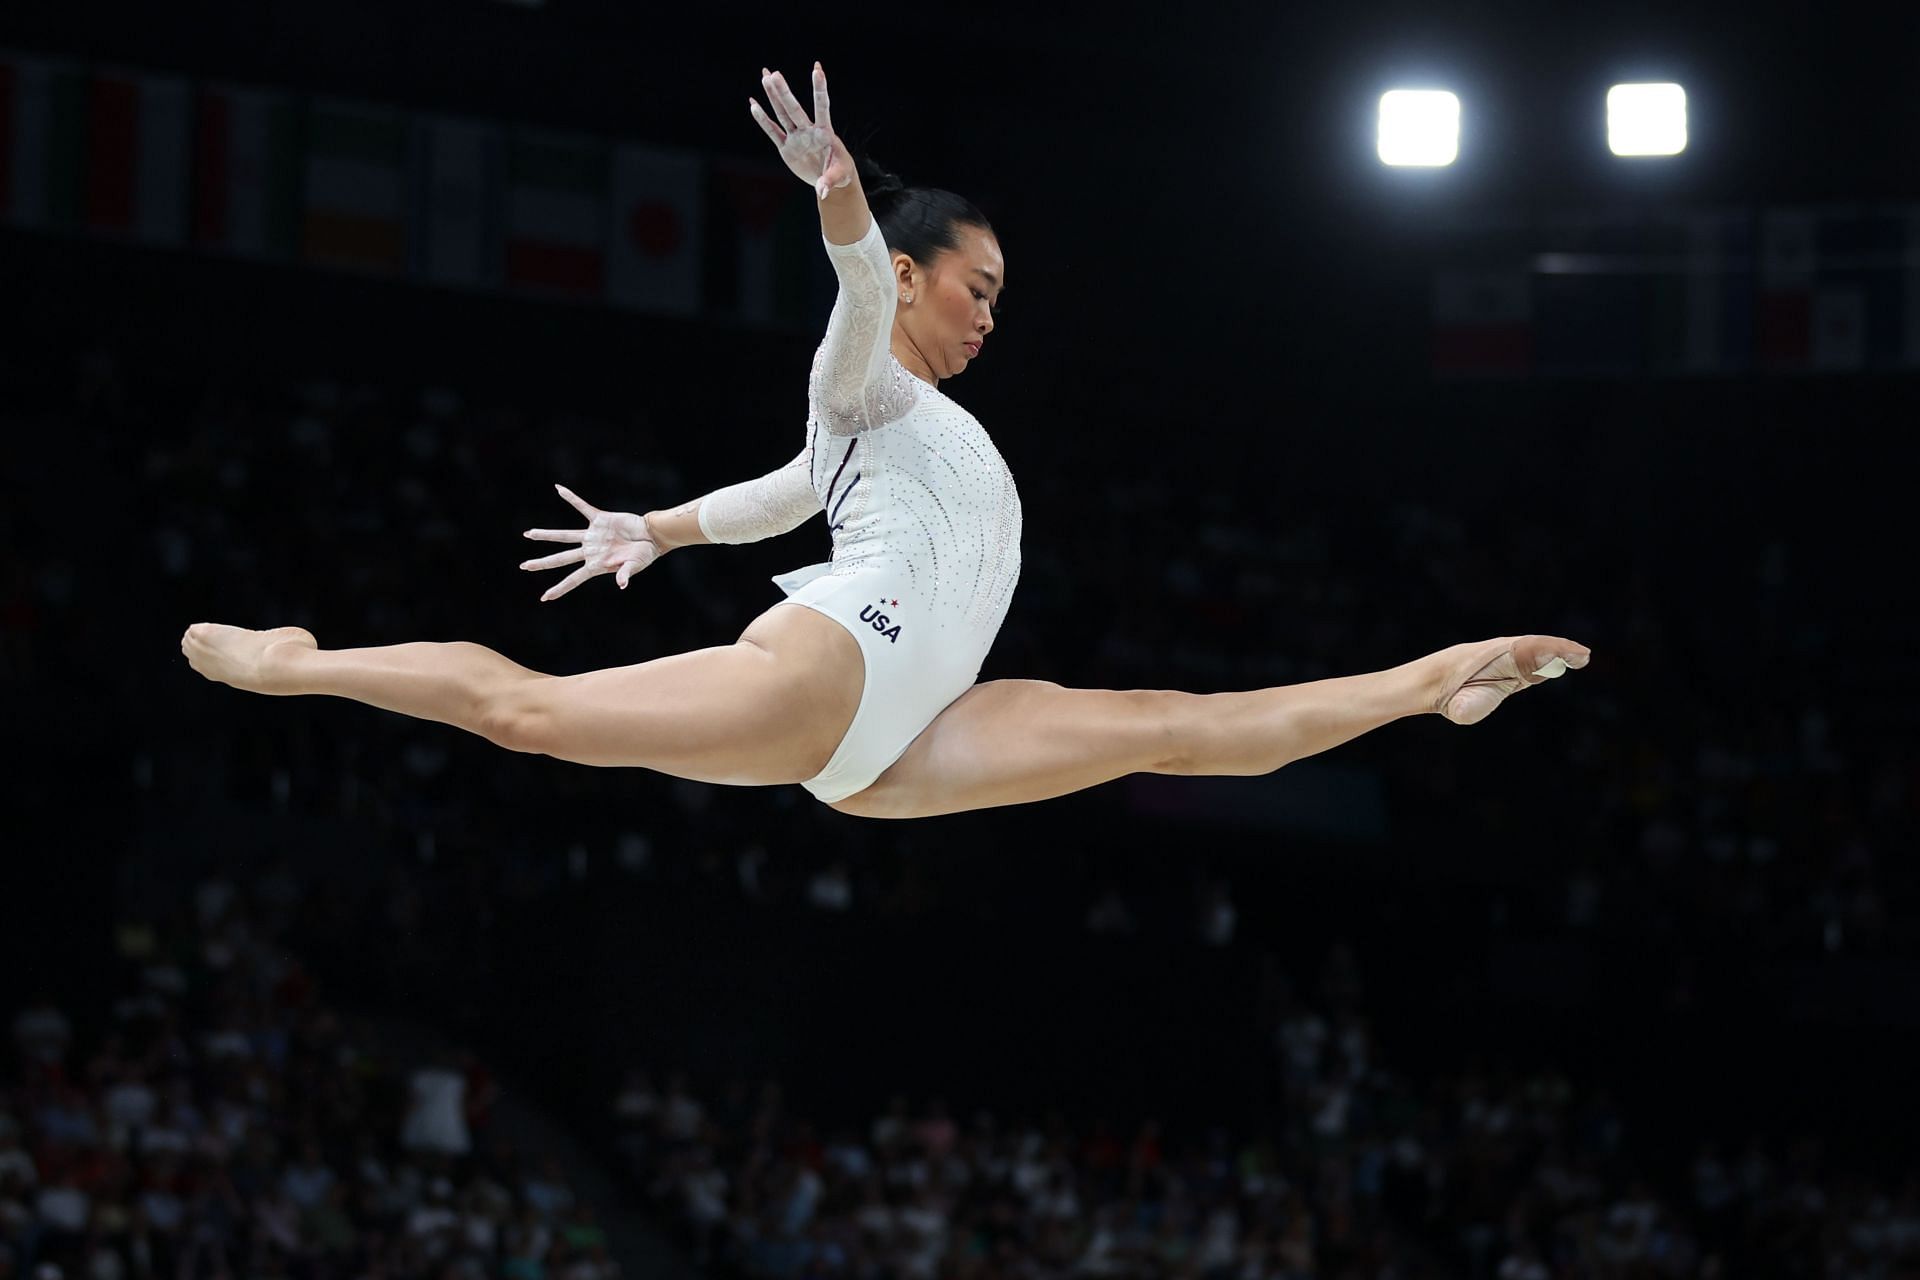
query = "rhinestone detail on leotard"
{"x": 934, "y": 500}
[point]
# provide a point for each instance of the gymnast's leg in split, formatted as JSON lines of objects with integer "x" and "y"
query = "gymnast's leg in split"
{"x": 766, "y": 710}
{"x": 1016, "y": 741}
{"x": 771, "y": 709}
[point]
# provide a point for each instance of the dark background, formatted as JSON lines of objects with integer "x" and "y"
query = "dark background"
{"x": 1212, "y": 287}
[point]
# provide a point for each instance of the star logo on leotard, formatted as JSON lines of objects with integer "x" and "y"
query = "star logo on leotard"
{"x": 891, "y": 604}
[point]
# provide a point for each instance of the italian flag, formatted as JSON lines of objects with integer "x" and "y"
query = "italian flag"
{"x": 556, "y": 214}
{"x": 654, "y": 256}
{"x": 356, "y": 187}
{"x": 43, "y": 121}
{"x": 246, "y": 172}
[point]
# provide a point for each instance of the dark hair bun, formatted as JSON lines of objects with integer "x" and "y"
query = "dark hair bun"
{"x": 875, "y": 179}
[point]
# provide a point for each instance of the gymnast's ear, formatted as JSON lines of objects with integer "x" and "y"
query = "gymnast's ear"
{"x": 905, "y": 275}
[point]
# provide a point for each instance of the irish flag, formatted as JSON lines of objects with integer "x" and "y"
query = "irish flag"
{"x": 556, "y": 214}
{"x": 356, "y": 187}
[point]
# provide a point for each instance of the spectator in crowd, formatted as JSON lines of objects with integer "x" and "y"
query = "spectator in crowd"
{"x": 226, "y": 1126}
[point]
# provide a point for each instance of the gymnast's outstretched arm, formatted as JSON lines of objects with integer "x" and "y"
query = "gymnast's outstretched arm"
{"x": 622, "y": 543}
{"x": 775, "y": 503}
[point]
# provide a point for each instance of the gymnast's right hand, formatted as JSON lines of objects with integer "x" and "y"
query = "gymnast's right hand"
{"x": 809, "y": 147}
{"x": 616, "y": 542}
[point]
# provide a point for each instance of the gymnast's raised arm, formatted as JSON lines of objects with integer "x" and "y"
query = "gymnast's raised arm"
{"x": 815, "y": 154}
{"x": 854, "y": 388}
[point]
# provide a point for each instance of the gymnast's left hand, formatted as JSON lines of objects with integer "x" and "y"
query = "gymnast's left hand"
{"x": 617, "y": 542}
{"x": 810, "y": 147}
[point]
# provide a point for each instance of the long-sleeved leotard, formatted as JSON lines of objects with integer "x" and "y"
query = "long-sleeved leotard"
{"x": 923, "y": 513}
{"x": 775, "y": 503}
{"x": 903, "y": 472}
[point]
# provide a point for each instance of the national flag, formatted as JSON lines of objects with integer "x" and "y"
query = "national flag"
{"x": 355, "y": 208}
{"x": 460, "y": 176}
{"x": 1837, "y": 329}
{"x": 247, "y": 172}
{"x": 556, "y": 223}
{"x": 1721, "y": 292}
{"x": 765, "y": 261}
{"x": 1832, "y": 288}
{"x": 1695, "y": 273}
{"x": 43, "y": 119}
{"x": 1858, "y": 316}
{"x": 655, "y": 252}
{"x": 1482, "y": 320}
{"x": 139, "y": 148}
{"x": 1785, "y": 304}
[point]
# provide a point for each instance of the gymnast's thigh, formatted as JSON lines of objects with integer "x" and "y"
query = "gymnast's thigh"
{"x": 766, "y": 710}
{"x": 1016, "y": 741}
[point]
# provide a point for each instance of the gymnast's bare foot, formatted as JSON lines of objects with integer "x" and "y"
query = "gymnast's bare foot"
{"x": 252, "y": 660}
{"x": 1476, "y": 678}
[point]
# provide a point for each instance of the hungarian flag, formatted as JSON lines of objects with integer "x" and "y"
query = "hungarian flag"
{"x": 43, "y": 120}
{"x": 556, "y": 214}
{"x": 247, "y": 172}
{"x": 655, "y": 253}
{"x": 765, "y": 262}
{"x": 356, "y": 187}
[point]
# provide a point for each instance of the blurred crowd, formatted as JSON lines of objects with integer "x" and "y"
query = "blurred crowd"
{"x": 221, "y": 1121}
{"x": 1483, "y": 1173}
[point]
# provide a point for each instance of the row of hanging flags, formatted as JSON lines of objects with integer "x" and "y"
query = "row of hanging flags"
{"x": 274, "y": 175}
{"x": 1810, "y": 289}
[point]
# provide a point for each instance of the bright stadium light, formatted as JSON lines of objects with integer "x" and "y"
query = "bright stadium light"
{"x": 1647, "y": 119}
{"x": 1419, "y": 127}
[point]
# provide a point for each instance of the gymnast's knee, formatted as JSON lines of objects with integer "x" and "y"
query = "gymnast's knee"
{"x": 515, "y": 719}
{"x": 1180, "y": 734}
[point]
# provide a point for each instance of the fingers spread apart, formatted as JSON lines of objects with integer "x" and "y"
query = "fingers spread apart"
{"x": 578, "y": 503}
{"x": 557, "y": 559}
{"x": 569, "y": 582}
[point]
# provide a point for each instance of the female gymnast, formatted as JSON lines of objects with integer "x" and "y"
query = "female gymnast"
{"x": 860, "y": 685}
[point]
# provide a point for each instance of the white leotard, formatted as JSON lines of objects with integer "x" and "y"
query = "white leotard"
{"x": 923, "y": 513}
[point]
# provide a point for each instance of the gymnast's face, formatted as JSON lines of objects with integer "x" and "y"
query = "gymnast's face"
{"x": 954, "y": 302}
